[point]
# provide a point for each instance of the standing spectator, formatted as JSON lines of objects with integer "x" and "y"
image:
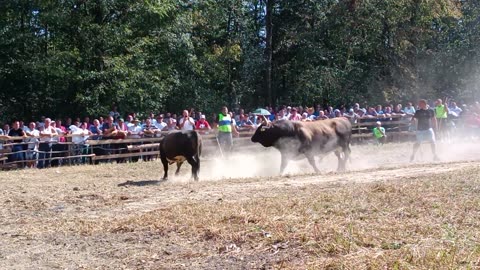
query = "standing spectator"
{"x": 288, "y": 112}
{"x": 17, "y": 149}
{"x": 454, "y": 110}
{"x": 426, "y": 122}
{"x": 441, "y": 113}
{"x": 61, "y": 130}
{"x": 32, "y": 147}
{"x": 225, "y": 129}
{"x": 45, "y": 146}
{"x": 202, "y": 125}
{"x": 114, "y": 113}
{"x": 186, "y": 122}
{"x": 351, "y": 115}
{"x": 6, "y": 129}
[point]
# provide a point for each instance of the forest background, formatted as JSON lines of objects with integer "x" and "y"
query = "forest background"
{"x": 79, "y": 57}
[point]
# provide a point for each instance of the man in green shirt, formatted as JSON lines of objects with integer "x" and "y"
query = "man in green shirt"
{"x": 379, "y": 133}
{"x": 225, "y": 128}
{"x": 441, "y": 114}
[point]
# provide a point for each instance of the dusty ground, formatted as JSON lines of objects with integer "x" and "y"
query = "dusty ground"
{"x": 383, "y": 213}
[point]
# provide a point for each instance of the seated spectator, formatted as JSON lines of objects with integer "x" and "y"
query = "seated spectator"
{"x": 149, "y": 129}
{"x": 161, "y": 125}
{"x": 409, "y": 109}
{"x": 122, "y": 129}
{"x": 288, "y": 112}
{"x": 322, "y": 115}
{"x": 109, "y": 129}
{"x": 96, "y": 129}
{"x": 281, "y": 115}
{"x": 398, "y": 110}
{"x": 186, "y": 122}
{"x": 171, "y": 122}
{"x": 371, "y": 113}
{"x": 311, "y": 114}
{"x": 294, "y": 116}
{"x": 239, "y": 116}
{"x": 387, "y": 112}
{"x": 135, "y": 131}
{"x": 330, "y": 112}
{"x": 379, "y": 133}
{"x": 17, "y": 148}
{"x": 245, "y": 123}
{"x": 202, "y": 125}
{"x": 351, "y": 115}
{"x": 337, "y": 113}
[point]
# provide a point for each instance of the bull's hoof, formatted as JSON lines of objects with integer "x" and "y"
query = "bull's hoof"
{"x": 164, "y": 178}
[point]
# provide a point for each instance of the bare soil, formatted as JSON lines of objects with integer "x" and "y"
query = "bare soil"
{"x": 383, "y": 213}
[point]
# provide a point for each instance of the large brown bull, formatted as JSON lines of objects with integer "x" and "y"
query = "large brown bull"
{"x": 294, "y": 138}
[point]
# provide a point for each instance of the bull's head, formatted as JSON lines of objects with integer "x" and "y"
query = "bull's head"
{"x": 267, "y": 134}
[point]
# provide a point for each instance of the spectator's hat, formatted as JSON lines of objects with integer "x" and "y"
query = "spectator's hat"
{"x": 289, "y": 108}
{"x": 351, "y": 110}
{"x": 136, "y": 120}
{"x": 202, "y": 116}
{"x": 305, "y": 114}
{"x": 120, "y": 120}
{"x": 378, "y": 123}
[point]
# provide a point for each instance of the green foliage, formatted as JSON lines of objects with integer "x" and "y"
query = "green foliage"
{"x": 81, "y": 57}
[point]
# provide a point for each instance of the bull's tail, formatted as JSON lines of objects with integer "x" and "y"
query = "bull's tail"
{"x": 198, "y": 142}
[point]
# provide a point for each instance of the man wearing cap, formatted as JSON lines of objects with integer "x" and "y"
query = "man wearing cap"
{"x": 160, "y": 124}
{"x": 135, "y": 130}
{"x": 202, "y": 125}
{"x": 225, "y": 128}
{"x": 379, "y": 133}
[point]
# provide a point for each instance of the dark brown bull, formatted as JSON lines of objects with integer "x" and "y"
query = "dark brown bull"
{"x": 179, "y": 146}
{"x": 294, "y": 138}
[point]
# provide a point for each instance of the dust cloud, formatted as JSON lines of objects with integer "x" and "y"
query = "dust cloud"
{"x": 257, "y": 161}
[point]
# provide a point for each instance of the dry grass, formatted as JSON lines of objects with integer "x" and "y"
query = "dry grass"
{"x": 424, "y": 216}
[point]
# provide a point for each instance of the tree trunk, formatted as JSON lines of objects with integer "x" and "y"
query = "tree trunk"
{"x": 268, "y": 50}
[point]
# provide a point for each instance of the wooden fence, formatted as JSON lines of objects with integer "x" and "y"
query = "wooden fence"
{"x": 93, "y": 151}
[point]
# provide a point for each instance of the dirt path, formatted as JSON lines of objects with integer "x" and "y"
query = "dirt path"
{"x": 58, "y": 218}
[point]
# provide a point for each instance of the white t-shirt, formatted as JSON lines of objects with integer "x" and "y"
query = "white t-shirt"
{"x": 188, "y": 125}
{"x": 160, "y": 125}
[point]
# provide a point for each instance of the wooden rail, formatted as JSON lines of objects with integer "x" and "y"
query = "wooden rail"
{"x": 105, "y": 149}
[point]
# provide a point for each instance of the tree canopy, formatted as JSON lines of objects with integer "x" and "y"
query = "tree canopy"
{"x": 78, "y": 57}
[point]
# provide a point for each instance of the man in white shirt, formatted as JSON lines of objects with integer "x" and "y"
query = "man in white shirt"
{"x": 186, "y": 122}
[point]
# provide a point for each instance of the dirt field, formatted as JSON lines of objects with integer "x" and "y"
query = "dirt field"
{"x": 384, "y": 213}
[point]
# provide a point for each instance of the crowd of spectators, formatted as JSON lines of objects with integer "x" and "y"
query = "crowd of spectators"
{"x": 37, "y": 137}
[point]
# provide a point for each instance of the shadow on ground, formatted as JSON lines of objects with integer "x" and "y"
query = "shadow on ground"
{"x": 140, "y": 183}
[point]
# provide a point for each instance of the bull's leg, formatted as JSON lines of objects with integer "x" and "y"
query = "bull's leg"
{"x": 283, "y": 163}
{"x": 311, "y": 160}
{"x": 165, "y": 167}
{"x": 195, "y": 167}
{"x": 179, "y": 164}
{"x": 341, "y": 161}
